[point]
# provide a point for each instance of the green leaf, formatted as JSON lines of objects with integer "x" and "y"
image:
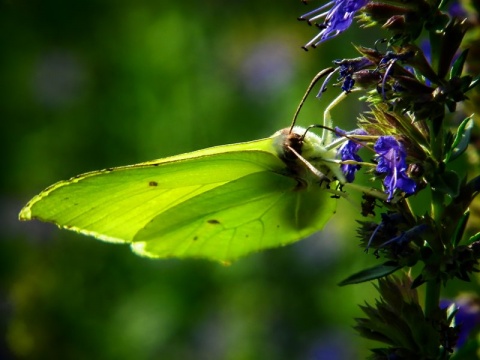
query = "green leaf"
{"x": 372, "y": 273}
{"x": 473, "y": 83}
{"x": 457, "y": 66}
{"x": 460, "y": 228}
{"x": 461, "y": 141}
{"x": 447, "y": 183}
{"x": 474, "y": 238}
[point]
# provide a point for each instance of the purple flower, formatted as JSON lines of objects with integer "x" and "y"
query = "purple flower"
{"x": 348, "y": 151}
{"x": 348, "y": 68}
{"x": 467, "y": 316}
{"x": 336, "y": 20}
{"x": 392, "y": 161}
{"x": 387, "y": 61}
{"x": 456, "y": 10}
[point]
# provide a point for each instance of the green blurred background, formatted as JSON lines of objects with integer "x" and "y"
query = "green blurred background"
{"x": 95, "y": 84}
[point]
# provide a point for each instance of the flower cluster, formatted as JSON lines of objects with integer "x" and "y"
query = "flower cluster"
{"x": 392, "y": 162}
{"x": 416, "y": 130}
{"x": 336, "y": 20}
{"x": 466, "y": 311}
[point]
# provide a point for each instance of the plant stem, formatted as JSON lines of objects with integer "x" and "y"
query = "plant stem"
{"x": 437, "y": 205}
{"x": 432, "y": 298}
{"x": 432, "y": 295}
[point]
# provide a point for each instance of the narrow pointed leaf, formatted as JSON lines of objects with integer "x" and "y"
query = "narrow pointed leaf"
{"x": 457, "y": 236}
{"x": 474, "y": 238}
{"x": 462, "y": 138}
{"x": 457, "y": 67}
{"x": 372, "y": 273}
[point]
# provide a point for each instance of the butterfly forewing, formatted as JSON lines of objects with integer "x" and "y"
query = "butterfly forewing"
{"x": 115, "y": 204}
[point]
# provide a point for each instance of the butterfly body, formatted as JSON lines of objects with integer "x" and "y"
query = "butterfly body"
{"x": 218, "y": 203}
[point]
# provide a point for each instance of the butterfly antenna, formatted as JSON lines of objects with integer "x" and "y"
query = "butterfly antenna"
{"x": 357, "y": 139}
{"x": 317, "y": 77}
{"x": 327, "y": 118}
{"x": 321, "y": 176}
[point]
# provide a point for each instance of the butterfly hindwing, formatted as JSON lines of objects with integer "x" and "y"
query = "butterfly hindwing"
{"x": 260, "y": 210}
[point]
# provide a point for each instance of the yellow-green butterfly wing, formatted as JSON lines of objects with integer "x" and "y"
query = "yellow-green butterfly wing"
{"x": 219, "y": 203}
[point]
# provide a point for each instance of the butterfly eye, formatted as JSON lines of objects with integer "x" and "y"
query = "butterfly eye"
{"x": 293, "y": 141}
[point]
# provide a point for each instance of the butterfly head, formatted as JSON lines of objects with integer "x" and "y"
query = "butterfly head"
{"x": 305, "y": 155}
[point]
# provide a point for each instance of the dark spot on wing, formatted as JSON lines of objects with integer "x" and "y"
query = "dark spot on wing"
{"x": 213, "y": 221}
{"x": 195, "y": 238}
{"x": 152, "y": 183}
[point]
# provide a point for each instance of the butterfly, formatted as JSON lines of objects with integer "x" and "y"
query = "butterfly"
{"x": 219, "y": 203}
